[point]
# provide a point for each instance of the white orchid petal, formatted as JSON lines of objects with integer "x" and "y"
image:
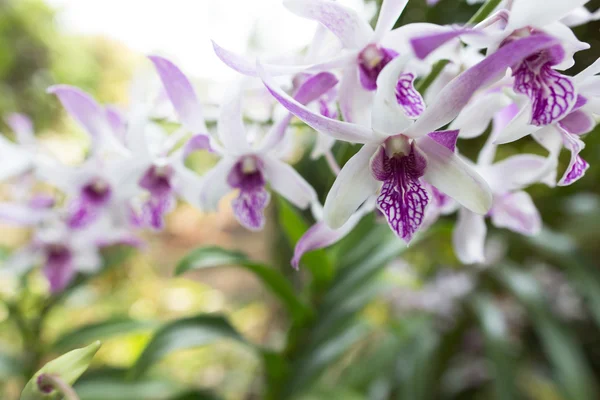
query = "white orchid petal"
{"x": 468, "y": 237}
{"x": 214, "y": 184}
{"x": 286, "y": 181}
{"x": 538, "y": 13}
{"x": 388, "y": 15}
{"x": 230, "y": 125}
{"x": 474, "y": 119}
{"x": 518, "y": 213}
{"x": 353, "y": 186}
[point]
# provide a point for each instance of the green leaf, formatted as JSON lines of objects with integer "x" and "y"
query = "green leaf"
{"x": 184, "y": 334}
{"x": 113, "y": 384}
{"x": 294, "y": 226}
{"x": 498, "y": 347}
{"x": 67, "y": 367}
{"x": 484, "y": 11}
{"x": 570, "y": 368}
{"x": 9, "y": 366}
{"x": 101, "y": 330}
{"x": 209, "y": 257}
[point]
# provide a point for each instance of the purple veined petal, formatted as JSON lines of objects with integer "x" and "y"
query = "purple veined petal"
{"x": 388, "y": 117}
{"x": 247, "y": 66}
{"x": 459, "y": 91}
{"x": 249, "y": 207}
{"x": 310, "y": 90}
{"x": 578, "y": 122}
{"x": 22, "y": 126}
{"x": 388, "y": 15}
{"x": 408, "y": 97}
{"x": 453, "y": 177}
{"x": 19, "y": 214}
{"x": 403, "y": 199}
{"x": 345, "y": 23}
{"x": 340, "y": 130}
{"x": 84, "y": 109}
{"x": 516, "y": 211}
{"x": 468, "y": 237}
{"x": 352, "y": 187}
{"x": 474, "y": 119}
{"x": 445, "y": 138}
{"x": 425, "y": 45}
{"x": 287, "y": 182}
{"x": 577, "y": 165}
{"x": 320, "y": 235}
{"x": 196, "y": 143}
{"x": 230, "y": 124}
{"x": 355, "y": 102}
{"x": 517, "y": 172}
{"x": 538, "y": 13}
{"x": 181, "y": 93}
{"x": 214, "y": 184}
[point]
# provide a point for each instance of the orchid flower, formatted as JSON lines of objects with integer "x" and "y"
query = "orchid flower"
{"x": 244, "y": 166}
{"x": 512, "y": 208}
{"x": 566, "y": 131}
{"x": 551, "y": 93}
{"x": 401, "y": 147}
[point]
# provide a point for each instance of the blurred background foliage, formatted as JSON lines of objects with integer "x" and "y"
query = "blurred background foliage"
{"x": 366, "y": 319}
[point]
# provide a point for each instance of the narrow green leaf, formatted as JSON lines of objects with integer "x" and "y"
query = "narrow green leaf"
{"x": 570, "y": 367}
{"x": 436, "y": 70}
{"x": 184, "y": 334}
{"x": 209, "y": 257}
{"x": 484, "y": 11}
{"x": 67, "y": 367}
{"x": 294, "y": 226}
{"x": 101, "y": 330}
{"x": 498, "y": 347}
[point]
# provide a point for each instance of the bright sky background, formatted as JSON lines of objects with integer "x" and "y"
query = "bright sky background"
{"x": 182, "y": 29}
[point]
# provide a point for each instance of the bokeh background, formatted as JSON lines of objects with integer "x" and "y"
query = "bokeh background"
{"x": 525, "y": 326}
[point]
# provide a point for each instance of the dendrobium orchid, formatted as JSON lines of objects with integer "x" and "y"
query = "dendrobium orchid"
{"x": 402, "y": 147}
{"x": 244, "y": 166}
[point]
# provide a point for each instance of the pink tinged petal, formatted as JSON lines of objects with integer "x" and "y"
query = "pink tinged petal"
{"x": 248, "y": 67}
{"x": 453, "y": 177}
{"x": 408, "y": 98}
{"x": 84, "y": 109}
{"x": 388, "y": 15}
{"x": 355, "y": 102}
{"x": 577, "y": 122}
{"x": 516, "y": 211}
{"x": 352, "y": 187}
{"x": 117, "y": 121}
{"x": 181, "y": 93}
{"x": 388, "y": 116}
{"x": 287, "y": 182}
{"x": 310, "y": 90}
{"x": 345, "y": 23}
{"x": 552, "y": 94}
{"x": 468, "y": 237}
{"x": 402, "y": 199}
{"x": 474, "y": 119}
{"x": 320, "y": 236}
{"x": 459, "y": 91}
{"x": 22, "y": 126}
{"x": 425, "y": 45}
{"x": 577, "y": 165}
{"x": 517, "y": 172}
{"x": 59, "y": 269}
{"x": 196, "y": 143}
{"x": 538, "y": 13}
{"x": 518, "y": 127}
{"x": 340, "y": 130}
{"x": 445, "y": 138}
{"x": 249, "y": 206}
{"x": 19, "y": 214}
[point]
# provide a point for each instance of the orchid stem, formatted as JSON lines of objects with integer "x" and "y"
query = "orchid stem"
{"x": 436, "y": 70}
{"x": 484, "y": 11}
{"x": 58, "y": 384}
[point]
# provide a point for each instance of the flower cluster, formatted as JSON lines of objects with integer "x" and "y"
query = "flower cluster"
{"x": 406, "y": 94}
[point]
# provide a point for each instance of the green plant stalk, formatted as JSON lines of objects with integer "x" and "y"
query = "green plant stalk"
{"x": 484, "y": 11}
{"x": 436, "y": 70}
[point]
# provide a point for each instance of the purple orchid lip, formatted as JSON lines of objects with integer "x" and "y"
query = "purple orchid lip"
{"x": 371, "y": 61}
{"x": 157, "y": 180}
{"x": 248, "y": 208}
{"x": 97, "y": 192}
{"x": 58, "y": 268}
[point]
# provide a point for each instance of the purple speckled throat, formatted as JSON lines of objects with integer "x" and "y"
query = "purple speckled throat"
{"x": 58, "y": 268}
{"x": 157, "y": 181}
{"x": 248, "y": 207}
{"x": 371, "y": 61}
{"x": 403, "y": 198}
{"x": 93, "y": 196}
{"x": 551, "y": 93}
